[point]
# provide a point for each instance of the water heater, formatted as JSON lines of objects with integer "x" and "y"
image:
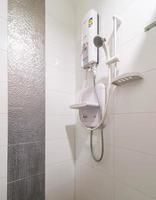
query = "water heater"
{"x": 90, "y": 28}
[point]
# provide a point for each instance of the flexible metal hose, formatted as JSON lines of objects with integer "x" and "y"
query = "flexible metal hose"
{"x": 92, "y": 131}
{"x": 100, "y": 125}
{"x": 103, "y": 115}
{"x": 102, "y": 146}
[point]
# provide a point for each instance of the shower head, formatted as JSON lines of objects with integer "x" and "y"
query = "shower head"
{"x": 99, "y": 41}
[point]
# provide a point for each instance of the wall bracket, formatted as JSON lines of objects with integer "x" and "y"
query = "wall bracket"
{"x": 150, "y": 26}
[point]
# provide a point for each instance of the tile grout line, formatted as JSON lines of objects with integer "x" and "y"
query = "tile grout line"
{"x": 42, "y": 173}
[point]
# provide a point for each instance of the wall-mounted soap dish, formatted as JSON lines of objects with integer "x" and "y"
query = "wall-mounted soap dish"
{"x": 126, "y": 78}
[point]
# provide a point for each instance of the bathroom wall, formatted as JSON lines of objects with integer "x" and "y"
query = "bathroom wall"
{"x": 3, "y": 99}
{"x": 60, "y": 92}
{"x": 26, "y": 100}
{"x": 128, "y": 169}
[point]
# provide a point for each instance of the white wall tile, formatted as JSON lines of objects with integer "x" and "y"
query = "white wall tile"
{"x": 93, "y": 184}
{"x": 123, "y": 6}
{"x": 135, "y": 17}
{"x": 3, "y": 66}
{"x": 60, "y": 127}
{"x": 65, "y": 192}
{"x": 61, "y": 33}
{"x": 59, "y": 80}
{"x": 3, "y": 165}
{"x": 3, "y": 8}
{"x": 136, "y": 131}
{"x": 59, "y": 151}
{"x": 58, "y": 103}
{"x": 3, "y": 97}
{"x": 3, "y": 188}
{"x": 136, "y": 55}
{"x": 137, "y": 170}
{"x": 61, "y": 10}
{"x": 62, "y": 173}
{"x": 123, "y": 192}
{"x": 59, "y": 57}
{"x": 60, "y": 89}
{"x": 60, "y": 46}
{"x": 139, "y": 96}
{"x": 3, "y": 129}
{"x": 3, "y": 34}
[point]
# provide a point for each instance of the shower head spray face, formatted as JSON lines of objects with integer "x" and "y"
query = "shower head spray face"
{"x": 99, "y": 41}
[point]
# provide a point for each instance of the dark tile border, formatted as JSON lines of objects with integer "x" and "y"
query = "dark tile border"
{"x": 26, "y": 100}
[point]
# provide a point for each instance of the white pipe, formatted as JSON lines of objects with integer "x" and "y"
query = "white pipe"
{"x": 119, "y": 21}
{"x": 113, "y": 60}
{"x": 116, "y": 25}
{"x": 114, "y": 33}
{"x": 106, "y": 51}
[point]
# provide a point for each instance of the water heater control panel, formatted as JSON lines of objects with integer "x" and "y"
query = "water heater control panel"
{"x": 90, "y": 28}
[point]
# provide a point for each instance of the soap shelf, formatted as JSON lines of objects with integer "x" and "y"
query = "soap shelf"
{"x": 84, "y": 105}
{"x": 126, "y": 78}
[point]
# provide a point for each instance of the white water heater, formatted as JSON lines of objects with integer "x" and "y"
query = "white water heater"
{"x": 90, "y": 28}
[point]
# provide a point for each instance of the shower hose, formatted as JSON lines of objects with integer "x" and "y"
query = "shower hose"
{"x": 100, "y": 125}
{"x": 102, "y": 146}
{"x": 102, "y": 114}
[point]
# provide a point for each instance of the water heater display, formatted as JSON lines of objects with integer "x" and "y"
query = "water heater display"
{"x": 90, "y": 28}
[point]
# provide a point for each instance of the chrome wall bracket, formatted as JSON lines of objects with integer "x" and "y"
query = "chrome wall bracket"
{"x": 150, "y": 26}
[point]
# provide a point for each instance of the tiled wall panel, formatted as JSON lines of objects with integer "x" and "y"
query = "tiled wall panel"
{"x": 26, "y": 99}
{"x": 60, "y": 93}
{"x": 130, "y": 143}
